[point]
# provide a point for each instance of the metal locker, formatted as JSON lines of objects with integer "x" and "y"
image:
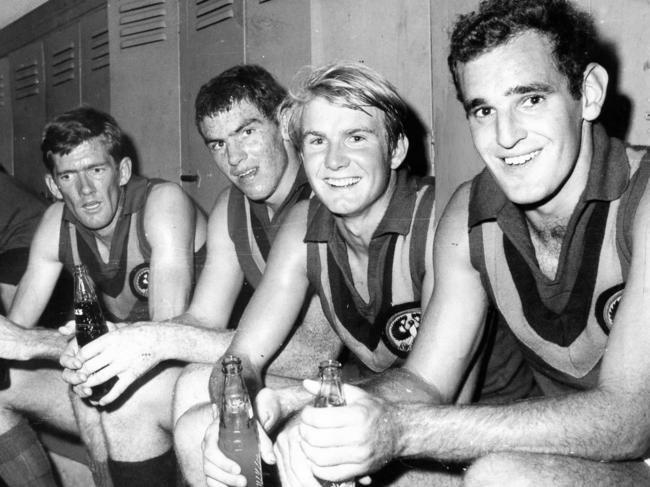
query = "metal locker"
{"x": 62, "y": 70}
{"x": 6, "y": 117}
{"x": 28, "y": 99}
{"x": 212, "y": 41}
{"x": 95, "y": 60}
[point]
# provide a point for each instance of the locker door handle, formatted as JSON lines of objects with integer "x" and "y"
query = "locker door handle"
{"x": 190, "y": 178}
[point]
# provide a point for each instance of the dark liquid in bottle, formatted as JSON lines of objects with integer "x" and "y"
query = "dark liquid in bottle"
{"x": 90, "y": 324}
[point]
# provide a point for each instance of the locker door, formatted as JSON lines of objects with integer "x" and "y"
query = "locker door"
{"x": 212, "y": 41}
{"x": 62, "y": 71}
{"x": 95, "y": 61}
{"x": 278, "y": 36}
{"x": 391, "y": 36}
{"x": 623, "y": 25}
{"x": 144, "y": 73}
{"x": 28, "y": 114}
{"x": 6, "y": 117}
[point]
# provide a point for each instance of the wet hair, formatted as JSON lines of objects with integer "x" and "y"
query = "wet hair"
{"x": 74, "y": 127}
{"x": 570, "y": 31}
{"x": 245, "y": 82}
{"x": 351, "y": 85}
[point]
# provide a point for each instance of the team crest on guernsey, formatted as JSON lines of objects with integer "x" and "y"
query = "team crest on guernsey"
{"x": 139, "y": 281}
{"x": 401, "y": 328}
{"x": 607, "y": 305}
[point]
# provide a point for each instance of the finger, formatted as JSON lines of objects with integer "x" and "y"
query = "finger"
{"x": 82, "y": 391}
{"x": 353, "y": 394}
{"x": 92, "y": 365}
{"x": 266, "y": 408}
{"x": 337, "y": 455}
{"x": 112, "y": 326}
{"x": 73, "y": 377}
{"x": 339, "y": 473}
{"x": 68, "y": 329}
{"x": 123, "y": 382}
{"x": 266, "y": 446}
{"x": 217, "y": 476}
{"x": 69, "y": 360}
{"x": 365, "y": 480}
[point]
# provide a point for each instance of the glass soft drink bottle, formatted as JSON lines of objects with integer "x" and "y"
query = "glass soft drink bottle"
{"x": 330, "y": 395}
{"x": 89, "y": 319}
{"x": 238, "y": 438}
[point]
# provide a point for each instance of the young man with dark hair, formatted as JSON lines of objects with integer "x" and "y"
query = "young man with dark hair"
{"x": 554, "y": 232}
{"x": 140, "y": 240}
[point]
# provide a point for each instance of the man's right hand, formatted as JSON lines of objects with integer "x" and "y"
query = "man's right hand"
{"x": 220, "y": 471}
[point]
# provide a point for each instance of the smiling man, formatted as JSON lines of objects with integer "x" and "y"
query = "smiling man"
{"x": 555, "y": 234}
{"x": 140, "y": 240}
{"x": 364, "y": 243}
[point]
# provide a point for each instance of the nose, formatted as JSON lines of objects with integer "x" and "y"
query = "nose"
{"x": 85, "y": 183}
{"x": 337, "y": 157}
{"x": 509, "y": 130}
{"x": 235, "y": 153}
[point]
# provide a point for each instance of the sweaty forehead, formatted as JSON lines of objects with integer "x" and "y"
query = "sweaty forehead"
{"x": 87, "y": 153}
{"x": 526, "y": 60}
{"x": 320, "y": 114}
{"x": 238, "y": 114}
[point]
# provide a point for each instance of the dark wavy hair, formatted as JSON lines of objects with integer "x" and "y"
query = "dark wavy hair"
{"x": 570, "y": 31}
{"x": 74, "y": 127}
{"x": 244, "y": 82}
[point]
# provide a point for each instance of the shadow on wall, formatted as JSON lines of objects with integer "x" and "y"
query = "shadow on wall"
{"x": 417, "y": 158}
{"x": 617, "y": 112}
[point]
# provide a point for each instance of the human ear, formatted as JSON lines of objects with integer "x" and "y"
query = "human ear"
{"x": 125, "y": 170}
{"x": 51, "y": 185}
{"x": 399, "y": 152}
{"x": 594, "y": 90}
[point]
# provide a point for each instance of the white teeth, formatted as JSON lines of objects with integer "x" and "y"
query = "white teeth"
{"x": 247, "y": 173}
{"x": 342, "y": 182}
{"x": 517, "y": 160}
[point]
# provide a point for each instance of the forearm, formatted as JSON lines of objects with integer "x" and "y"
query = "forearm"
{"x": 191, "y": 343}
{"x": 399, "y": 384}
{"x": 18, "y": 343}
{"x": 597, "y": 425}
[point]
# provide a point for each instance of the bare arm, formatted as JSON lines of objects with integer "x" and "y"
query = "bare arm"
{"x": 609, "y": 422}
{"x": 33, "y": 293}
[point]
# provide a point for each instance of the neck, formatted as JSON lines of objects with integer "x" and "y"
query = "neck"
{"x": 105, "y": 235}
{"x": 357, "y": 230}
{"x": 274, "y": 202}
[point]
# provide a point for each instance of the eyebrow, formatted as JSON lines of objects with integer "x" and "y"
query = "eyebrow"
{"x": 75, "y": 171}
{"x": 351, "y": 131}
{"x": 238, "y": 129}
{"x": 543, "y": 88}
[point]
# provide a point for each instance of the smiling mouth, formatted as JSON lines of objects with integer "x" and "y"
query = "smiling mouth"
{"x": 519, "y": 160}
{"x": 342, "y": 182}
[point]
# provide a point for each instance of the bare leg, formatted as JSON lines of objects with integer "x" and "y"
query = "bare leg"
{"x": 188, "y": 437}
{"x": 92, "y": 434}
{"x": 522, "y": 470}
{"x": 36, "y": 392}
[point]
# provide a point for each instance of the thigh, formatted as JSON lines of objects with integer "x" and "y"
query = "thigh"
{"x": 523, "y": 469}
{"x": 38, "y": 392}
{"x": 191, "y": 388}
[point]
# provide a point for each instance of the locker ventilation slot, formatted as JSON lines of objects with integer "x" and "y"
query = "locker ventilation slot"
{"x": 27, "y": 80}
{"x": 142, "y": 22}
{"x": 63, "y": 65}
{"x": 99, "y": 50}
{"x": 211, "y": 12}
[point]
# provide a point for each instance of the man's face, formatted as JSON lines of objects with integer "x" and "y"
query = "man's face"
{"x": 248, "y": 148}
{"x": 525, "y": 124}
{"x": 88, "y": 180}
{"x": 345, "y": 154}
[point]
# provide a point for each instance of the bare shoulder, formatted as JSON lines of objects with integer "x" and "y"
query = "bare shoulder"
{"x": 452, "y": 228}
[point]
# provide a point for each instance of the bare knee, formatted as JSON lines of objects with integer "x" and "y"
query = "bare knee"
{"x": 502, "y": 470}
{"x": 188, "y": 438}
{"x": 191, "y": 388}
